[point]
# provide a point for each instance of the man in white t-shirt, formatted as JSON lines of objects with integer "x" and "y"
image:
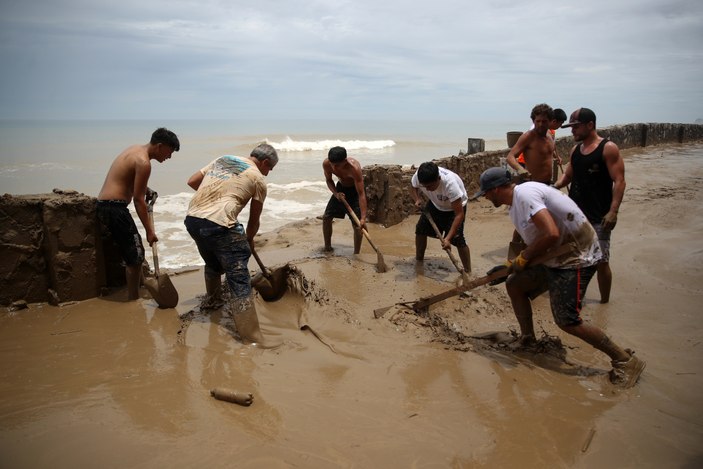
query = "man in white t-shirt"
{"x": 447, "y": 206}
{"x": 224, "y": 187}
{"x": 546, "y": 218}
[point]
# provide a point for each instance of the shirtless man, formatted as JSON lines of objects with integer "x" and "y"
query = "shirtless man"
{"x": 537, "y": 146}
{"x": 127, "y": 180}
{"x": 350, "y": 186}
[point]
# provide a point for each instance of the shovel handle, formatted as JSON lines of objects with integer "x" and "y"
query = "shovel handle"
{"x": 358, "y": 223}
{"x": 263, "y": 268}
{"x": 439, "y": 235}
{"x": 425, "y": 302}
{"x": 154, "y": 251}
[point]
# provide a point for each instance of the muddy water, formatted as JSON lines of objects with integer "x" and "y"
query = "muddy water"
{"x": 112, "y": 384}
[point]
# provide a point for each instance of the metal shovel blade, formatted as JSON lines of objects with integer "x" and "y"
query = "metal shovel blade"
{"x": 162, "y": 290}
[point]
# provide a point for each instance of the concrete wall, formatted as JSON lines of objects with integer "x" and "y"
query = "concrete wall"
{"x": 388, "y": 186}
{"x": 51, "y": 249}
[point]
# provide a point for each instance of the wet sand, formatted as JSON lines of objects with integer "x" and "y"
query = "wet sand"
{"x": 112, "y": 384}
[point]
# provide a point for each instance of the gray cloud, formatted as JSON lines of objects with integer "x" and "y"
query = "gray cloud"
{"x": 629, "y": 60}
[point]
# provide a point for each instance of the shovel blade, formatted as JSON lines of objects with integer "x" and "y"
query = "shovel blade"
{"x": 273, "y": 285}
{"x": 162, "y": 291}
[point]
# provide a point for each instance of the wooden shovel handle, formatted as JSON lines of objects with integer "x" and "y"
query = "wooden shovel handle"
{"x": 425, "y": 302}
{"x": 263, "y": 268}
{"x": 154, "y": 252}
{"x": 439, "y": 236}
{"x": 358, "y": 223}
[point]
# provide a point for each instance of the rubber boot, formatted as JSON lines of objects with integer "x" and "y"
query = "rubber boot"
{"x": 213, "y": 287}
{"x": 133, "y": 274}
{"x": 246, "y": 320}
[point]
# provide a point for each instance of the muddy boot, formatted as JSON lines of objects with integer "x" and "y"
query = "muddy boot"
{"x": 625, "y": 373}
{"x": 133, "y": 274}
{"x": 213, "y": 287}
{"x": 246, "y": 320}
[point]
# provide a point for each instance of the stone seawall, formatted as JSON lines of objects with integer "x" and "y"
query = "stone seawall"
{"x": 388, "y": 186}
{"x": 52, "y": 248}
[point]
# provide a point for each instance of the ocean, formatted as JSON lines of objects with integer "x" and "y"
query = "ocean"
{"x": 38, "y": 156}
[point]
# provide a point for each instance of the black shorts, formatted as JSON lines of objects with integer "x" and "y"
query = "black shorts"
{"x": 115, "y": 215}
{"x": 336, "y": 209}
{"x": 444, "y": 221}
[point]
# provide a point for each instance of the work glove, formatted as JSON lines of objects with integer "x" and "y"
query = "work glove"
{"x": 609, "y": 220}
{"x": 497, "y": 269}
{"x": 518, "y": 264}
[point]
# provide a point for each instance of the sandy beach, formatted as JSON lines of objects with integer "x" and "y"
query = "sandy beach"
{"x": 113, "y": 384}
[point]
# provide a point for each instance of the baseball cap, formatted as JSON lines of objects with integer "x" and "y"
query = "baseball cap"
{"x": 492, "y": 178}
{"x": 581, "y": 116}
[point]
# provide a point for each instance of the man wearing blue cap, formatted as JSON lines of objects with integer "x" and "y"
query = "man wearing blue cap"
{"x": 545, "y": 218}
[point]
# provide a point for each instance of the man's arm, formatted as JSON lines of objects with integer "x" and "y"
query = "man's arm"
{"x": 359, "y": 185}
{"x": 195, "y": 180}
{"x": 568, "y": 174}
{"x": 327, "y": 169}
{"x": 548, "y": 235}
{"x": 255, "y": 209}
{"x": 519, "y": 147}
{"x": 458, "y": 219}
{"x": 415, "y": 194}
{"x": 142, "y": 171}
{"x": 616, "y": 169}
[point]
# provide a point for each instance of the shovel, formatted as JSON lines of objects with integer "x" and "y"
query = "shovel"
{"x": 160, "y": 286}
{"x": 464, "y": 275}
{"x": 380, "y": 263}
{"x": 270, "y": 285}
{"x": 422, "y": 303}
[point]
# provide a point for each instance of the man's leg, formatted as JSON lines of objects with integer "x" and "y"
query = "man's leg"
{"x": 598, "y": 339}
{"x": 521, "y": 287}
{"x": 522, "y": 307}
{"x": 327, "y": 232}
{"x": 465, "y": 256}
{"x": 605, "y": 281}
{"x": 213, "y": 288}
{"x": 357, "y": 239}
{"x": 246, "y": 320}
{"x": 420, "y": 247}
{"x": 134, "y": 277}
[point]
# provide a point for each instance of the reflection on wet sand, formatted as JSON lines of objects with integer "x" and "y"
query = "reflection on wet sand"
{"x": 108, "y": 383}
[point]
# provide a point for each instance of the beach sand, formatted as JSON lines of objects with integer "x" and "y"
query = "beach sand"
{"x": 112, "y": 384}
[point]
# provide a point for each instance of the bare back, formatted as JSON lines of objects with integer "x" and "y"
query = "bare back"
{"x": 130, "y": 171}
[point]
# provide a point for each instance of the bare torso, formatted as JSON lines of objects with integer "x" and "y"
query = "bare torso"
{"x": 348, "y": 172}
{"x": 120, "y": 180}
{"x": 538, "y": 157}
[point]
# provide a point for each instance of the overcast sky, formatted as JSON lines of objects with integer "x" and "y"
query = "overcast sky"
{"x": 629, "y": 60}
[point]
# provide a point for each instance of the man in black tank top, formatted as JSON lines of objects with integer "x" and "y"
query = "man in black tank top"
{"x": 596, "y": 172}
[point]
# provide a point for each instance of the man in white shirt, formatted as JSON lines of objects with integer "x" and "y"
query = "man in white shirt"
{"x": 546, "y": 218}
{"x": 447, "y": 206}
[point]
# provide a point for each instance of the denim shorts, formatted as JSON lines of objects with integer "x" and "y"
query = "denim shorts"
{"x": 225, "y": 251}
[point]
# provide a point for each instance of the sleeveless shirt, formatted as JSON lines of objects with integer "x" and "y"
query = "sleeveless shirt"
{"x": 591, "y": 185}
